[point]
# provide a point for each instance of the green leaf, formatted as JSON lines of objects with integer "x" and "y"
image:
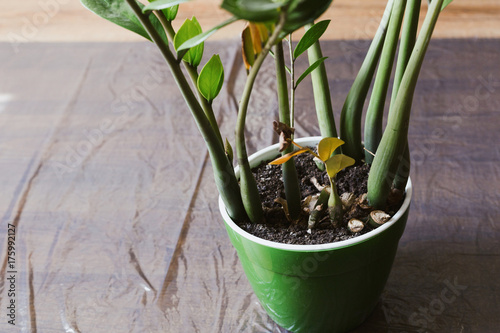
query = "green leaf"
{"x": 247, "y": 47}
{"x": 171, "y": 12}
{"x": 162, "y": 4}
{"x": 286, "y": 157}
{"x": 302, "y": 12}
{"x": 211, "y": 78}
{"x": 118, "y": 12}
{"x": 337, "y": 163}
{"x": 202, "y": 37}
{"x": 299, "y": 12}
{"x": 310, "y": 37}
{"x": 255, "y": 10}
{"x": 445, "y": 3}
{"x": 327, "y": 146}
{"x": 188, "y": 30}
{"x": 309, "y": 70}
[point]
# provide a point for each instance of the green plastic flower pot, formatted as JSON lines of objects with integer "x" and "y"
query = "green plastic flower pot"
{"x": 318, "y": 288}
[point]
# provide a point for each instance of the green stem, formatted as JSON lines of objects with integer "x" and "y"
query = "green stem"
{"x": 408, "y": 38}
{"x": 375, "y": 112}
{"x": 292, "y": 81}
{"x": 403, "y": 172}
{"x": 205, "y": 104}
{"x": 335, "y": 206}
{"x": 249, "y": 191}
{"x": 225, "y": 179}
{"x": 321, "y": 90}
{"x": 350, "y": 119}
{"x": 193, "y": 74}
{"x": 394, "y": 139}
{"x": 290, "y": 178}
{"x": 167, "y": 25}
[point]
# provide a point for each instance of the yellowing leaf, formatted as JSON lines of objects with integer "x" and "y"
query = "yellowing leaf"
{"x": 327, "y": 146}
{"x": 284, "y": 158}
{"x": 338, "y": 162}
{"x": 253, "y": 36}
{"x": 264, "y": 33}
{"x": 247, "y": 48}
{"x": 256, "y": 39}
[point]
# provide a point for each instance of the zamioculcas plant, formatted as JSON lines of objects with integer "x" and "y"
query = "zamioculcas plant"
{"x": 271, "y": 22}
{"x": 339, "y": 293}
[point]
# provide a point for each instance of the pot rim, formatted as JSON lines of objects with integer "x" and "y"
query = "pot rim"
{"x": 316, "y": 247}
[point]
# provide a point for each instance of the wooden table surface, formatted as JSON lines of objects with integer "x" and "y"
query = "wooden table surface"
{"x": 108, "y": 183}
{"x": 117, "y": 227}
{"x": 67, "y": 20}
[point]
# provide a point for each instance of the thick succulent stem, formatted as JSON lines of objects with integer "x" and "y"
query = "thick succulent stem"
{"x": 167, "y": 25}
{"x": 394, "y": 139}
{"x": 350, "y": 119}
{"x": 335, "y": 206}
{"x": 249, "y": 191}
{"x": 403, "y": 172}
{"x": 321, "y": 90}
{"x": 375, "y": 112}
{"x": 292, "y": 82}
{"x": 290, "y": 178}
{"x": 225, "y": 179}
{"x": 409, "y": 35}
{"x": 193, "y": 74}
{"x": 205, "y": 104}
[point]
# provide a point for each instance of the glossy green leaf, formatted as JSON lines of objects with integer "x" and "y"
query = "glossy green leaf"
{"x": 211, "y": 78}
{"x": 302, "y": 12}
{"x": 337, "y": 163}
{"x": 309, "y": 70}
{"x": 310, "y": 37}
{"x": 171, "y": 12}
{"x": 299, "y": 12}
{"x": 118, "y": 12}
{"x": 202, "y": 37}
{"x": 188, "y": 30}
{"x": 255, "y": 10}
{"x": 286, "y": 157}
{"x": 162, "y": 4}
{"x": 327, "y": 146}
{"x": 445, "y": 3}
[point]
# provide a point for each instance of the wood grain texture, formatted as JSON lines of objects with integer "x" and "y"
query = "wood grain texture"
{"x": 67, "y": 20}
{"x": 105, "y": 175}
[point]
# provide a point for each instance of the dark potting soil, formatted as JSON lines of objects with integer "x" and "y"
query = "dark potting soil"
{"x": 277, "y": 228}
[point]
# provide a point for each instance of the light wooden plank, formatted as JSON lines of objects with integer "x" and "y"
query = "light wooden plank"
{"x": 67, "y": 20}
